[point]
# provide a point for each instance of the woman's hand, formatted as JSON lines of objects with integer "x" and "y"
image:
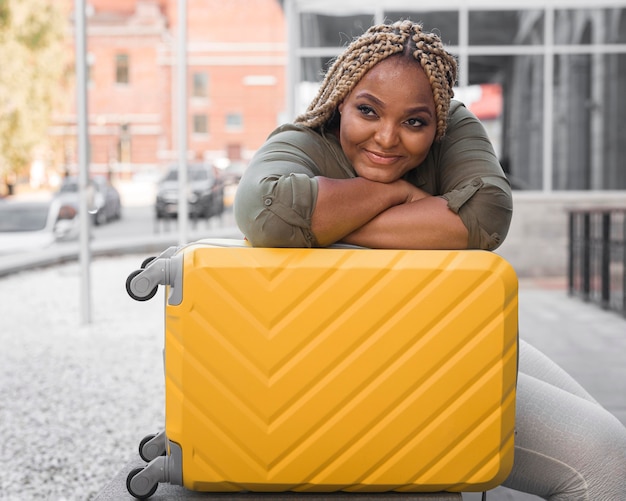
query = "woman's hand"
{"x": 413, "y": 193}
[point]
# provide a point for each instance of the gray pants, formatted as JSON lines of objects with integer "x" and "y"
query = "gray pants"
{"x": 567, "y": 446}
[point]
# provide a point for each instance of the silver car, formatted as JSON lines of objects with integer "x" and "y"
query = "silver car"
{"x": 35, "y": 224}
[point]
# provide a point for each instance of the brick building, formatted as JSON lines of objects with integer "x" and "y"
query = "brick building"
{"x": 236, "y": 57}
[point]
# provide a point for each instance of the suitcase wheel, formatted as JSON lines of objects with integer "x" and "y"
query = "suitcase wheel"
{"x": 146, "y": 297}
{"x": 152, "y": 446}
{"x": 140, "y": 486}
{"x": 147, "y": 261}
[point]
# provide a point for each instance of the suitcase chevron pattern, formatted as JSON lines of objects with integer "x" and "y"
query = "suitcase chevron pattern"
{"x": 342, "y": 369}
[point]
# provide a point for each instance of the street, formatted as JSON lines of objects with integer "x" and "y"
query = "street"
{"x": 136, "y": 231}
{"x": 139, "y": 221}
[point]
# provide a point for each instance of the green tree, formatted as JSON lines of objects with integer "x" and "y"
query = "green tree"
{"x": 32, "y": 63}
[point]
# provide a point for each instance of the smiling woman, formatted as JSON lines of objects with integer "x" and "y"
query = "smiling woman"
{"x": 384, "y": 158}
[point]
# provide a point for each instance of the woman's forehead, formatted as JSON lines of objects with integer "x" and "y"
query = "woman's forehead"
{"x": 397, "y": 78}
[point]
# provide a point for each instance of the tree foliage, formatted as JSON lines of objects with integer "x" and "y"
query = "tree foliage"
{"x": 32, "y": 54}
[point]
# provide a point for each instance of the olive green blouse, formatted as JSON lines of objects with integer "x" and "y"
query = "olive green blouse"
{"x": 278, "y": 191}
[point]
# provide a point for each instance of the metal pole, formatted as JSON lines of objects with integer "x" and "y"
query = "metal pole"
{"x": 183, "y": 209}
{"x": 624, "y": 263}
{"x": 292, "y": 70}
{"x": 571, "y": 252}
{"x": 83, "y": 167}
{"x": 605, "y": 261}
{"x": 586, "y": 261}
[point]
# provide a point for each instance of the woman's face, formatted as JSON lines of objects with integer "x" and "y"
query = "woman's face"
{"x": 388, "y": 121}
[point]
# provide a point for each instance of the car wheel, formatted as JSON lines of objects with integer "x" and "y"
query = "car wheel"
{"x": 101, "y": 217}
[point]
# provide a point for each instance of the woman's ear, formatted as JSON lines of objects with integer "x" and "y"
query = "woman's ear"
{"x": 340, "y": 107}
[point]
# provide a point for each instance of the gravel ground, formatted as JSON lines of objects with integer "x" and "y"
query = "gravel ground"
{"x": 75, "y": 399}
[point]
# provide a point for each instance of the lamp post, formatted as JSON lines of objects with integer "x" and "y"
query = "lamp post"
{"x": 83, "y": 167}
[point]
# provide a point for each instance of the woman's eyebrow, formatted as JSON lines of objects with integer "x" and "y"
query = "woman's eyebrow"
{"x": 415, "y": 109}
{"x": 421, "y": 109}
{"x": 367, "y": 95}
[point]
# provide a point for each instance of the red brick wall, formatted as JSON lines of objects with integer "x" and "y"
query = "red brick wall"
{"x": 229, "y": 40}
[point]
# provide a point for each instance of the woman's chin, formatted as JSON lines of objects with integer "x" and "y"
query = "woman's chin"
{"x": 377, "y": 177}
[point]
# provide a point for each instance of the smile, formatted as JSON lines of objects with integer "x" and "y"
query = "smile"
{"x": 381, "y": 158}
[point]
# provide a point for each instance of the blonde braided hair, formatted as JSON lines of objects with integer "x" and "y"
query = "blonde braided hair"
{"x": 378, "y": 43}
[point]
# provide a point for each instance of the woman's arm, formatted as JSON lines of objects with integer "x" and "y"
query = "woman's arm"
{"x": 379, "y": 215}
{"x": 346, "y": 205}
{"x": 424, "y": 224}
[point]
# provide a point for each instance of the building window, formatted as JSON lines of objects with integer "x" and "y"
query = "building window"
{"x": 200, "y": 85}
{"x": 122, "y": 69}
{"x": 200, "y": 124}
{"x": 234, "y": 121}
{"x": 123, "y": 145}
{"x": 547, "y": 83}
{"x": 91, "y": 61}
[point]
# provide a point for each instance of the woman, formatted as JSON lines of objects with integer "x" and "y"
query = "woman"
{"x": 383, "y": 158}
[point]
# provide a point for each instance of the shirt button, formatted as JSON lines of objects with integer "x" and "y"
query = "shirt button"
{"x": 268, "y": 201}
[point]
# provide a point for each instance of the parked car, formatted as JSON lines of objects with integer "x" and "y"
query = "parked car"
{"x": 232, "y": 174}
{"x": 103, "y": 199}
{"x": 107, "y": 201}
{"x": 34, "y": 224}
{"x": 205, "y": 193}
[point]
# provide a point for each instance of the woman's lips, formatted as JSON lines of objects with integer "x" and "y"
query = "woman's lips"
{"x": 381, "y": 158}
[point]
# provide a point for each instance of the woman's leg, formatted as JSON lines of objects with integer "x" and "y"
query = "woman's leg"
{"x": 568, "y": 447}
{"x": 538, "y": 365}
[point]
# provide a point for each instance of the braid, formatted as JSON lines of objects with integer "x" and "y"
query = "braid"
{"x": 440, "y": 68}
{"x": 378, "y": 43}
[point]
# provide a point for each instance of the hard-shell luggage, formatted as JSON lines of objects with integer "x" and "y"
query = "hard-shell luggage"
{"x": 338, "y": 369}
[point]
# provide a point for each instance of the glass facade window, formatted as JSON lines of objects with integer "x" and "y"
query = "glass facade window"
{"x": 505, "y": 27}
{"x": 319, "y": 30}
{"x": 589, "y": 106}
{"x": 445, "y": 23}
{"x": 544, "y": 81}
{"x": 590, "y": 26}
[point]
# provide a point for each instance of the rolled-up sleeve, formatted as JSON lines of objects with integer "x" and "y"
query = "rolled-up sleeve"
{"x": 277, "y": 193}
{"x": 276, "y": 210}
{"x": 473, "y": 182}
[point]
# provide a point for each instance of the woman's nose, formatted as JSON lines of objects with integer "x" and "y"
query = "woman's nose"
{"x": 386, "y": 134}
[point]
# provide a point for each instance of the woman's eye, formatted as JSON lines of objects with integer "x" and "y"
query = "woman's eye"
{"x": 365, "y": 109}
{"x": 415, "y": 122}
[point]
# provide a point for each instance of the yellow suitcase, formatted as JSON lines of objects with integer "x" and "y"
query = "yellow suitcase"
{"x": 318, "y": 370}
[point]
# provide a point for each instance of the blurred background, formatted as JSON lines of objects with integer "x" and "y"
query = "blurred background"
{"x": 547, "y": 79}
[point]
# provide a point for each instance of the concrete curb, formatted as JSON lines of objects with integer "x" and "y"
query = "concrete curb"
{"x": 155, "y": 244}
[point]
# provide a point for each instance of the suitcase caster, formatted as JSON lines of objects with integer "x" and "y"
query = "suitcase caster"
{"x": 147, "y": 261}
{"x": 140, "y": 485}
{"x": 164, "y": 269}
{"x": 145, "y": 295}
{"x": 152, "y": 446}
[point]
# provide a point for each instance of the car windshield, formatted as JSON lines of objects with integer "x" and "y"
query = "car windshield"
{"x": 192, "y": 174}
{"x": 23, "y": 217}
